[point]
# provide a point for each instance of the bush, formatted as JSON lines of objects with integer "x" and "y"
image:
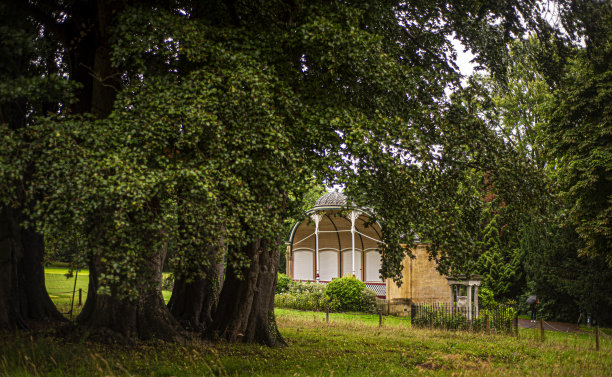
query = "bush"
{"x": 314, "y": 296}
{"x": 345, "y": 294}
{"x": 282, "y": 283}
{"x": 486, "y": 298}
{"x": 368, "y": 301}
{"x": 301, "y": 301}
{"x": 302, "y": 296}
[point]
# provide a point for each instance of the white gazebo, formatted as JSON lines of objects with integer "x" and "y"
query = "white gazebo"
{"x": 336, "y": 240}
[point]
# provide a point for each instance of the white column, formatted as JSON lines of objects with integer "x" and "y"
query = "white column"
{"x": 316, "y": 218}
{"x": 469, "y": 301}
{"x": 354, "y": 215}
{"x": 476, "y": 300}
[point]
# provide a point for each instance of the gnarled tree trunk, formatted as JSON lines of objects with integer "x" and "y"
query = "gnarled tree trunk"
{"x": 246, "y": 306}
{"x": 194, "y": 302}
{"x": 143, "y": 318}
{"x": 23, "y": 295}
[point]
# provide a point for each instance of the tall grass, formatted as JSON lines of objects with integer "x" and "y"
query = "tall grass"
{"x": 349, "y": 345}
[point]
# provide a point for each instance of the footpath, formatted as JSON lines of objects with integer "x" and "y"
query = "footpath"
{"x": 551, "y": 326}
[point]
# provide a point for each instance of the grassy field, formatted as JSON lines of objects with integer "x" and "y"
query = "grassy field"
{"x": 350, "y": 345}
{"x": 60, "y": 288}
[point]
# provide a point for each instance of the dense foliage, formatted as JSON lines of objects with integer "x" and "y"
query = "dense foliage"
{"x": 554, "y": 109}
{"x": 350, "y": 294}
{"x": 346, "y": 294}
{"x": 200, "y": 127}
{"x": 303, "y": 296}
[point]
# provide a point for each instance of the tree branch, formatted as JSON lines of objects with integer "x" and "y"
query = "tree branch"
{"x": 49, "y": 22}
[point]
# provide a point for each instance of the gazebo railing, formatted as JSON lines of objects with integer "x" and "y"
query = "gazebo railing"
{"x": 379, "y": 288}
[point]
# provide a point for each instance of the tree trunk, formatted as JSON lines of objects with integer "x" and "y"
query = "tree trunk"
{"x": 143, "y": 318}
{"x": 23, "y": 295}
{"x": 246, "y": 306}
{"x": 193, "y": 303}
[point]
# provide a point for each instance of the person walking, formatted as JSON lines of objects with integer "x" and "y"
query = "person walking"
{"x": 533, "y": 302}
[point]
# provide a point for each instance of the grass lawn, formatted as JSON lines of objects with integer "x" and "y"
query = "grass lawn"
{"x": 60, "y": 288}
{"x": 350, "y": 345}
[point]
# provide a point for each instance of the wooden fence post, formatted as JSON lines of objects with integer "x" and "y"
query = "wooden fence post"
{"x": 516, "y": 320}
{"x": 327, "y": 314}
{"x": 380, "y": 318}
{"x": 597, "y": 338}
{"x": 80, "y": 295}
{"x": 487, "y": 329}
{"x": 542, "y": 328}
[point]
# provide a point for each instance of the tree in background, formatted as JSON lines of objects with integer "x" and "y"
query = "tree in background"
{"x": 500, "y": 267}
{"x": 554, "y": 109}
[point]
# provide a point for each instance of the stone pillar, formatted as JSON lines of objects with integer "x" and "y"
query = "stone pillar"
{"x": 476, "y": 300}
{"x": 469, "y": 302}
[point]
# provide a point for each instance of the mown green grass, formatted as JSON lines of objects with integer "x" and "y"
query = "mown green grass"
{"x": 60, "y": 288}
{"x": 350, "y": 345}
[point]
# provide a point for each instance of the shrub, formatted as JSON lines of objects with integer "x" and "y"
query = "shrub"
{"x": 282, "y": 283}
{"x": 314, "y": 296}
{"x": 486, "y": 298}
{"x": 368, "y": 301}
{"x": 301, "y": 301}
{"x": 303, "y": 296}
{"x": 345, "y": 294}
{"x": 305, "y": 287}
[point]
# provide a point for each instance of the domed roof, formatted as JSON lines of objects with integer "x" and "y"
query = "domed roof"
{"x": 333, "y": 198}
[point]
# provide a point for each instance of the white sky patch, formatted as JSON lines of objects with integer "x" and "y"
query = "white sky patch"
{"x": 464, "y": 58}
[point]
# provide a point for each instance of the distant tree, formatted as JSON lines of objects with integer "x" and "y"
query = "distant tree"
{"x": 554, "y": 109}
{"x": 579, "y": 137}
{"x": 565, "y": 281}
{"x": 500, "y": 266}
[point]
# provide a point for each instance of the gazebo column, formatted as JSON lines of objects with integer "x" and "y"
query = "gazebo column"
{"x": 354, "y": 215}
{"x": 316, "y": 218}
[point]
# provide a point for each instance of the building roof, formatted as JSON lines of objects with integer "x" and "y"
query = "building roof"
{"x": 333, "y": 198}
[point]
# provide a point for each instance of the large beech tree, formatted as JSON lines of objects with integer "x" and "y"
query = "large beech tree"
{"x": 30, "y": 87}
{"x": 196, "y": 122}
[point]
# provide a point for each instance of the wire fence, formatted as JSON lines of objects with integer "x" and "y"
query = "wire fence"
{"x": 448, "y": 316}
{"x": 75, "y": 297}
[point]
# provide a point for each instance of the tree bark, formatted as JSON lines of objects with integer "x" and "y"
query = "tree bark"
{"x": 23, "y": 295}
{"x": 194, "y": 302}
{"x": 142, "y": 318}
{"x": 246, "y": 306}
